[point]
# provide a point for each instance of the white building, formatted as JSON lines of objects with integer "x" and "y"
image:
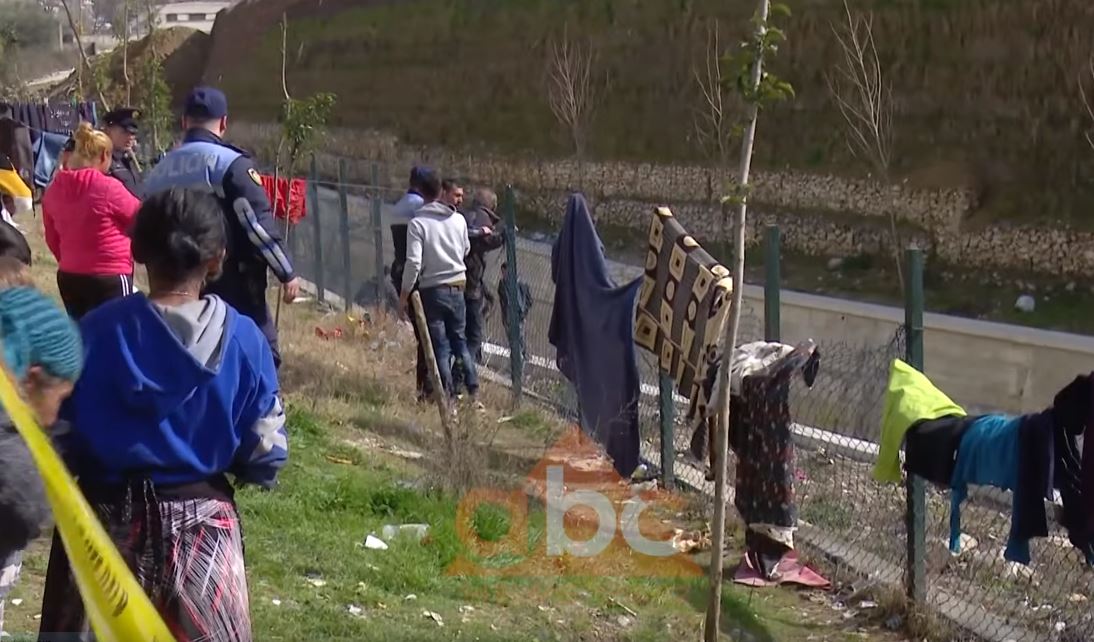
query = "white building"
{"x": 194, "y": 15}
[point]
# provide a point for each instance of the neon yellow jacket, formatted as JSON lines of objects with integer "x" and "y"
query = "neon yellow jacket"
{"x": 909, "y": 399}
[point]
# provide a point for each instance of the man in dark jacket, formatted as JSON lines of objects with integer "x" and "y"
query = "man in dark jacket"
{"x": 121, "y": 126}
{"x": 482, "y": 229}
{"x": 205, "y": 161}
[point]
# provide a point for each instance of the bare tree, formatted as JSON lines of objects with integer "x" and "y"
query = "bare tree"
{"x": 1085, "y": 77}
{"x": 714, "y": 121}
{"x": 573, "y": 89}
{"x": 77, "y": 30}
{"x": 864, "y": 97}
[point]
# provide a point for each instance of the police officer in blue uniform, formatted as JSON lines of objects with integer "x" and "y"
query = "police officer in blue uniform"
{"x": 121, "y": 126}
{"x": 205, "y": 161}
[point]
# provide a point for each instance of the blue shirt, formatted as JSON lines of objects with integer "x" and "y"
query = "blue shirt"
{"x": 204, "y": 161}
{"x": 405, "y": 207}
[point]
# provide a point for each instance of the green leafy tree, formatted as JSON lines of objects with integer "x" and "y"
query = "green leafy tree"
{"x": 303, "y": 123}
{"x": 24, "y": 26}
{"x": 155, "y": 94}
{"x": 742, "y": 70}
{"x": 155, "y": 104}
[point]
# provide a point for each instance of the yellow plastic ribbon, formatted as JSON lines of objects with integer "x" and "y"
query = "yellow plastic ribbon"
{"x": 117, "y": 606}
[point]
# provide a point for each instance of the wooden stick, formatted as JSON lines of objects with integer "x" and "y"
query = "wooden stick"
{"x": 431, "y": 361}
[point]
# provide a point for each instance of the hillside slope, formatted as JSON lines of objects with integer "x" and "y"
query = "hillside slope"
{"x": 182, "y": 51}
{"x": 986, "y": 89}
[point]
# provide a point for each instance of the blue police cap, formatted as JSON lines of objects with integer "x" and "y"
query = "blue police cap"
{"x": 420, "y": 174}
{"x": 206, "y": 103}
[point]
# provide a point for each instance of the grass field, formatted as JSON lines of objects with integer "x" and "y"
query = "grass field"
{"x": 363, "y": 455}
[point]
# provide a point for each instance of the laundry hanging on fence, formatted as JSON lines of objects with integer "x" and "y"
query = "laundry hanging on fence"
{"x": 58, "y": 117}
{"x": 1074, "y": 409}
{"x": 16, "y": 146}
{"x": 682, "y": 307}
{"x": 288, "y": 197}
{"x": 47, "y": 157}
{"x": 761, "y": 437}
{"x": 909, "y": 399}
{"x": 930, "y": 447}
{"x": 592, "y": 328}
{"x": 987, "y": 456}
{"x": 1073, "y": 474}
{"x": 1031, "y": 455}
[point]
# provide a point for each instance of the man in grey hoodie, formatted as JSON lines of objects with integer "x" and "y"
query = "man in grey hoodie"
{"x": 437, "y": 245}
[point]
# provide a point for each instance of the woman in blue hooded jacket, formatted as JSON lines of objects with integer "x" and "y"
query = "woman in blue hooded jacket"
{"x": 180, "y": 391}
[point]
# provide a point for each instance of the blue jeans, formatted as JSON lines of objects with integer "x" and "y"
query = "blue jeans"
{"x": 474, "y": 327}
{"x": 446, "y": 317}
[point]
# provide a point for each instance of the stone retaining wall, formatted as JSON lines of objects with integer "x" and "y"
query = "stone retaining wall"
{"x": 816, "y": 213}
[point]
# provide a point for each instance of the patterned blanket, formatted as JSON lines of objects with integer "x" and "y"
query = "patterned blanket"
{"x": 682, "y": 306}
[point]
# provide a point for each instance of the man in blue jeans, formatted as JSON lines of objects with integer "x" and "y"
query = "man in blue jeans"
{"x": 436, "y": 247}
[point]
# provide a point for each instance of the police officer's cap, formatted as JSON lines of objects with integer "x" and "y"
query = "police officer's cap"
{"x": 206, "y": 103}
{"x": 124, "y": 117}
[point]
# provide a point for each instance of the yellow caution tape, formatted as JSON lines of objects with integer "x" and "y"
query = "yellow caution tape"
{"x": 117, "y": 606}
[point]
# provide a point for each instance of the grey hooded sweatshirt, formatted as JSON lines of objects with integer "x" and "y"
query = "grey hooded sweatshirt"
{"x": 436, "y": 245}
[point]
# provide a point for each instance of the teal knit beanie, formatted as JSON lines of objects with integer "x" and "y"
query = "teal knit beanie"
{"x": 36, "y": 332}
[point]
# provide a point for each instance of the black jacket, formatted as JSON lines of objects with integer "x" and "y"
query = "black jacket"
{"x": 23, "y": 507}
{"x": 481, "y": 244}
{"x": 124, "y": 169}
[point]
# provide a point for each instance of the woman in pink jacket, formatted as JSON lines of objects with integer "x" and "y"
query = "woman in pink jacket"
{"x": 87, "y": 217}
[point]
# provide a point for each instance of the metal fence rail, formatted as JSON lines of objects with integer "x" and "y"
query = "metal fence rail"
{"x": 858, "y": 524}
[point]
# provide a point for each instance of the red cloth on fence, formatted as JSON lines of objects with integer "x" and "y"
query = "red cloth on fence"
{"x": 291, "y": 197}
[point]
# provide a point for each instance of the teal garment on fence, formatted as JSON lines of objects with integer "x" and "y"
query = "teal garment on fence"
{"x": 988, "y": 456}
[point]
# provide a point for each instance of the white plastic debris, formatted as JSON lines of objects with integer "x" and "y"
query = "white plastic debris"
{"x": 375, "y": 543}
{"x": 1025, "y": 303}
{"x": 16, "y": 602}
{"x": 355, "y": 610}
{"x": 275, "y": 602}
{"x": 417, "y": 532}
{"x": 467, "y": 608}
{"x": 433, "y": 616}
{"x": 411, "y": 597}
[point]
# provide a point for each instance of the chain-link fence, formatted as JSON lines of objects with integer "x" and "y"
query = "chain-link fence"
{"x": 856, "y": 524}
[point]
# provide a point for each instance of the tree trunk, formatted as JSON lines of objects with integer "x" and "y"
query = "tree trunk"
{"x": 125, "y": 55}
{"x": 729, "y": 342}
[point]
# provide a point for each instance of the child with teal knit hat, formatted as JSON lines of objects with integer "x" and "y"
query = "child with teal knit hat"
{"x": 43, "y": 352}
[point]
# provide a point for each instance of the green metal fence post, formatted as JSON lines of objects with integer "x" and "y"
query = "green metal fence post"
{"x": 772, "y": 284}
{"x": 378, "y": 231}
{"x": 343, "y": 230}
{"x": 515, "y": 329}
{"x": 915, "y": 515}
{"x": 313, "y": 194}
{"x": 668, "y": 432}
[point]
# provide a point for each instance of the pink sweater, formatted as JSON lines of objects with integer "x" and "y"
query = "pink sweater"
{"x": 87, "y": 216}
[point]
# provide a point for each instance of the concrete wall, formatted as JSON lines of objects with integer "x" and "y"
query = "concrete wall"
{"x": 983, "y": 366}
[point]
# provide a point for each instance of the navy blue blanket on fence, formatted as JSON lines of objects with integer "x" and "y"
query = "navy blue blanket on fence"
{"x": 592, "y": 327}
